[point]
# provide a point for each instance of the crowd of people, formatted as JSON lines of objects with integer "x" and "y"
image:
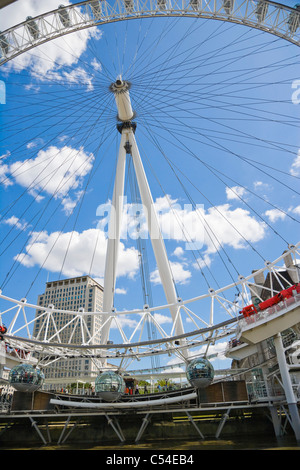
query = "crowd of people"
{"x": 5, "y": 398}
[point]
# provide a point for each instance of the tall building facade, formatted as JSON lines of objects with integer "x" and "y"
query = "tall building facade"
{"x": 75, "y": 294}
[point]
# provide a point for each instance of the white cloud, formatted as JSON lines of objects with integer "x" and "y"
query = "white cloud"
{"x": 235, "y": 192}
{"x": 48, "y": 250}
{"x": 132, "y": 322}
{"x": 203, "y": 262}
{"x": 48, "y": 59}
{"x": 231, "y": 227}
{"x": 164, "y": 203}
{"x": 275, "y": 214}
{"x": 189, "y": 224}
{"x": 18, "y": 11}
{"x": 212, "y": 227}
{"x": 67, "y": 164}
{"x": 124, "y": 321}
{"x": 198, "y": 228}
{"x": 34, "y": 143}
{"x": 5, "y": 155}
{"x": 179, "y": 252}
{"x": 4, "y": 175}
{"x": 296, "y": 210}
{"x": 176, "y": 222}
{"x": 162, "y": 319}
{"x": 260, "y": 185}
{"x": 120, "y": 290}
{"x": 33, "y": 87}
{"x": 174, "y": 361}
{"x": 15, "y": 222}
{"x": 96, "y": 65}
{"x": 180, "y": 275}
{"x": 295, "y": 168}
{"x": 77, "y": 75}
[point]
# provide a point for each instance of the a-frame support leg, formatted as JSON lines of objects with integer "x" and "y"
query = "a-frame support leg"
{"x": 114, "y": 423}
{"x": 145, "y": 423}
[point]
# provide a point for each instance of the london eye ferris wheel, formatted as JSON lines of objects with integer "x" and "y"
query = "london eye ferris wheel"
{"x": 153, "y": 146}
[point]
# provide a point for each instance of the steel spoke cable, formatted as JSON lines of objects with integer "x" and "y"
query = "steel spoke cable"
{"x": 78, "y": 212}
{"x": 160, "y": 67}
{"x": 203, "y": 61}
{"x": 57, "y": 130}
{"x": 74, "y": 103}
{"x": 74, "y": 110}
{"x": 184, "y": 95}
{"x": 237, "y": 155}
{"x": 105, "y": 199}
{"x": 241, "y": 185}
{"x": 189, "y": 151}
{"x": 195, "y": 112}
{"x": 71, "y": 52}
{"x": 187, "y": 239}
{"x": 85, "y": 63}
{"x": 179, "y": 41}
{"x": 191, "y": 134}
{"x": 244, "y": 113}
{"x": 91, "y": 175}
{"x": 175, "y": 118}
{"x": 230, "y": 108}
{"x": 83, "y": 96}
{"x": 11, "y": 273}
{"x": 26, "y": 190}
{"x": 50, "y": 159}
{"x": 230, "y": 94}
{"x": 278, "y": 146}
{"x": 145, "y": 94}
{"x": 139, "y": 44}
{"x": 50, "y": 78}
{"x": 49, "y": 127}
{"x": 34, "y": 199}
{"x": 150, "y": 89}
{"x": 143, "y": 262}
{"x": 245, "y": 202}
{"x": 62, "y": 182}
{"x": 53, "y": 197}
{"x": 148, "y": 54}
{"x": 203, "y": 221}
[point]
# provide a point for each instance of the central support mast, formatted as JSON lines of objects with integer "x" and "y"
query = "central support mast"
{"x": 128, "y": 145}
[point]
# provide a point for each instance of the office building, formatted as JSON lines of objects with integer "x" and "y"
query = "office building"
{"x": 76, "y": 294}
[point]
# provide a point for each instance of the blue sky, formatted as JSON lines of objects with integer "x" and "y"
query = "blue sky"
{"x": 217, "y": 128}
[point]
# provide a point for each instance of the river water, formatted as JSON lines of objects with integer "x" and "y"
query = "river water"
{"x": 175, "y": 446}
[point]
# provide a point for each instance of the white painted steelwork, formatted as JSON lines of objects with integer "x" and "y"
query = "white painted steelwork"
{"x": 268, "y": 16}
{"x": 19, "y": 316}
{"x": 272, "y": 17}
{"x": 120, "y": 90}
{"x": 125, "y": 405}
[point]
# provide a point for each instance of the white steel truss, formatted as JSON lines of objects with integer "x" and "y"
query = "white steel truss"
{"x": 212, "y": 315}
{"x": 271, "y": 17}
